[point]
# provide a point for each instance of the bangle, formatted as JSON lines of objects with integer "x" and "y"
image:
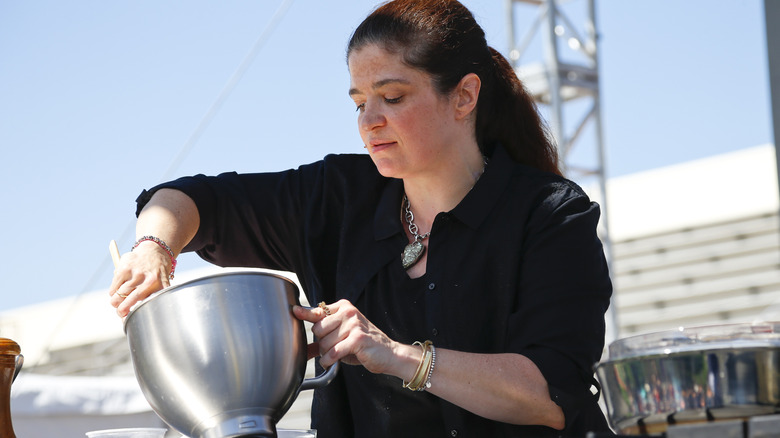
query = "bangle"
{"x": 422, "y": 377}
{"x": 413, "y": 383}
{"x": 416, "y": 384}
{"x": 430, "y": 370}
{"x": 162, "y": 245}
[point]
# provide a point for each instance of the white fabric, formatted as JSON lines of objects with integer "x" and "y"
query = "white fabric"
{"x": 45, "y": 406}
{"x": 39, "y": 395}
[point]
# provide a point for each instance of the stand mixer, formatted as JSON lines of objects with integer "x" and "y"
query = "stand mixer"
{"x": 222, "y": 356}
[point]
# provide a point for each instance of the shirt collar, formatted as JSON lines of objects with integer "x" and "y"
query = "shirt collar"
{"x": 482, "y": 198}
{"x": 472, "y": 210}
{"x": 387, "y": 219}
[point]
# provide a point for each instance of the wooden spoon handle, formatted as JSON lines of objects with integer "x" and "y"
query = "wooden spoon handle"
{"x": 114, "y": 250}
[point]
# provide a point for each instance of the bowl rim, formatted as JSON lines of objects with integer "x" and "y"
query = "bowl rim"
{"x": 128, "y": 429}
{"x": 223, "y": 272}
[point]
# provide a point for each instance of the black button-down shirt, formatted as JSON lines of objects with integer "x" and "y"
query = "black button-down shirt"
{"x": 515, "y": 267}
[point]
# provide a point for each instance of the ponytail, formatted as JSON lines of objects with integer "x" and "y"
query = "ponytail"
{"x": 507, "y": 115}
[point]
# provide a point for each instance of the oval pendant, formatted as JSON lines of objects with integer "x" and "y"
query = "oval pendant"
{"x": 411, "y": 254}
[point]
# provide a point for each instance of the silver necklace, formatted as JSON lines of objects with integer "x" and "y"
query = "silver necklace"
{"x": 413, "y": 251}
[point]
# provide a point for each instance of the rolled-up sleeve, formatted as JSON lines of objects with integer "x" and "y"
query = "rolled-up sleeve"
{"x": 565, "y": 291}
{"x": 250, "y": 220}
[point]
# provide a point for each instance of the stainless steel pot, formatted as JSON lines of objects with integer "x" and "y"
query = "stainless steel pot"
{"x": 690, "y": 375}
{"x": 221, "y": 356}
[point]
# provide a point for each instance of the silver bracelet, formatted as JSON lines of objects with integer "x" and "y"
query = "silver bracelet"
{"x": 430, "y": 371}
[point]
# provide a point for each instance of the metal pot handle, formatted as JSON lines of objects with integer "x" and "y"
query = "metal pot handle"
{"x": 321, "y": 380}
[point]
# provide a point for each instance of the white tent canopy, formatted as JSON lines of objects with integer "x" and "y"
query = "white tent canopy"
{"x": 70, "y": 406}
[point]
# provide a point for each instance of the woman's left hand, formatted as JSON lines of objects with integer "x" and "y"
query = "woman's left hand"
{"x": 344, "y": 334}
{"x": 503, "y": 387}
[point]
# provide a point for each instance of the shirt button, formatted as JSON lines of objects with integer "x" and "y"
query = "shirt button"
{"x": 431, "y": 286}
{"x": 454, "y": 432}
{"x": 435, "y": 332}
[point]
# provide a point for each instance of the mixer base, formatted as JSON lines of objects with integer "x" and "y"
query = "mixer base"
{"x": 250, "y": 423}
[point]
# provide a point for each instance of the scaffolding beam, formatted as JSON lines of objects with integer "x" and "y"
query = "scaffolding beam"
{"x": 558, "y": 64}
{"x": 771, "y": 15}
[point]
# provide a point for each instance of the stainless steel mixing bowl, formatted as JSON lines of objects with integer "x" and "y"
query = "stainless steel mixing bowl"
{"x": 692, "y": 375}
{"x": 221, "y": 356}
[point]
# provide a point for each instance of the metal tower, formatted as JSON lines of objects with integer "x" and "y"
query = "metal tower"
{"x": 558, "y": 63}
{"x": 771, "y": 16}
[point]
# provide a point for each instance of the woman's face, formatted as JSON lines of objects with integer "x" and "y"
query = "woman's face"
{"x": 405, "y": 124}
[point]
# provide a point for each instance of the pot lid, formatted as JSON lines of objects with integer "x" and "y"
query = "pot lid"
{"x": 687, "y": 339}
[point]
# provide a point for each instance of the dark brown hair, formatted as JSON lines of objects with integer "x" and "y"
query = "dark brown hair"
{"x": 442, "y": 38}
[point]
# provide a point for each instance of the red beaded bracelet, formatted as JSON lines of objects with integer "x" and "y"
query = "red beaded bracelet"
{"x": 162, "y": 245}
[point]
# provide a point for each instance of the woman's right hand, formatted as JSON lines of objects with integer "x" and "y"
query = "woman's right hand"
{"x": 169, "y": 215}
{"x": 139, "y": 274}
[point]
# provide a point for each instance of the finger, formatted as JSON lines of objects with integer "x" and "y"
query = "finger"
{"x": 122, "y": 292}
{"x": 308, "y": 314}
{"x": 123, "y": 309}
{"x": 119, "y": 278}
{"x": 331, "y": 333}
{"x": 135, "y": 294}
{"x": 123, "y": 302}
{"x": 332, "y": 352}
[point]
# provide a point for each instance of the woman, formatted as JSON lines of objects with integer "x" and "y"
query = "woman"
{"x": 456, "y": 231}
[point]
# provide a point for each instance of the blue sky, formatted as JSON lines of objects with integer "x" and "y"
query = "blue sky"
{"x": 97, "y": 99}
